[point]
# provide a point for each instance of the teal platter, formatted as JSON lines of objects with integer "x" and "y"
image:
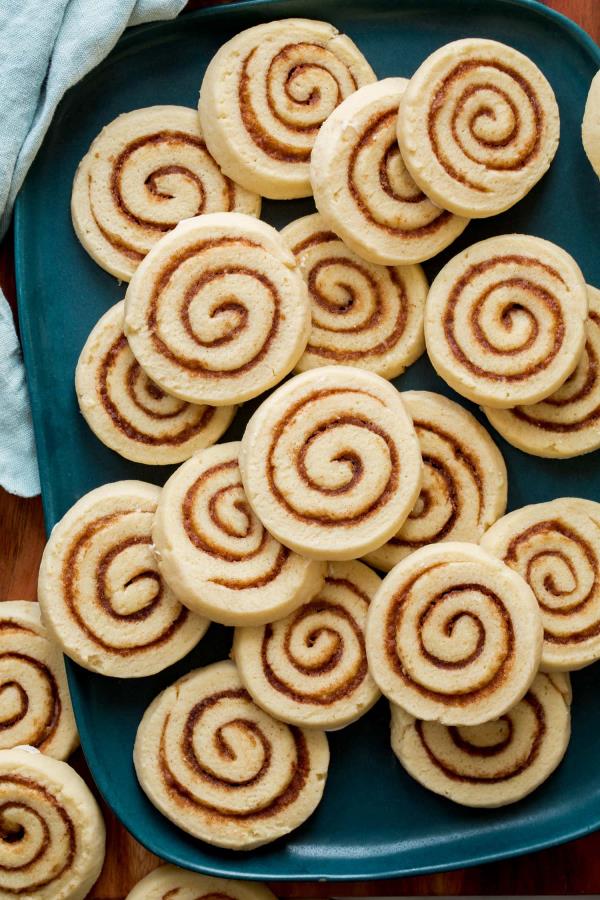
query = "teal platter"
{"x": 374, "y": 821}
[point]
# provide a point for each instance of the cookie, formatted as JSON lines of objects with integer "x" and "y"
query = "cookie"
{"x": 590, "y": 127}
{"x": 454, "y": 635}
{"x": 36, "y": 706}
{"x": 464, "y": 479}
{"x": 145, "y": 172}
{"x": 172, "y": 883}
{"x": 215, "y": 553}
{"x": 496, "y": 763}
{"x": 362, "y": 314}
{"x": 222, "y": 769}
{"x": 478, "y": 126}
{"x": 59, "y": 850}
{"x": 265, "y": 95}
{"x": 555, "y": 547}
{"x": 567, "y": 423}
{"x": 218, "y": 311}
{"x": 311, "y": 667}
{"x": 330, "y": 463}
{"x": 131, "y": 414}
{"x": 505, "y": 320}
{"x": 363, "y": 189}
{"x": 102, "y": 597}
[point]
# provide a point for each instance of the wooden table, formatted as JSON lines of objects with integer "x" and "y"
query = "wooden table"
{"x": 571, "y": 869}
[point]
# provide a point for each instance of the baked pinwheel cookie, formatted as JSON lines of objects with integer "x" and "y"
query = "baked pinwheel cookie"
{"x": 363, "y": 189}
{"x": 172, "y": 883}
{"x": 60, "y": 847}
{"x": 590, "y": 127}
{"x": 214, "y": 552}
{"x": 36, "y": 707}
{"x": 218, "y": 311}
{"x": 265, "y": 95}
{"x": 311, "y": 667}
{"x": 454, "y": 635}
{"x": 496, "y": 763}
{"x": 145, "y": 172}
{"x": 567, "y": 423}
{"x": 222, "y": 769}
{"x": 129, "y": 412}
{"x": 330, "y": 463}
{"x": 103, "y": 599}
{"x": 505, "y": 320}
{"x": 464, "y": 479}
{"x": 362, "y": 314}
{"x": 478, "y": 126}
{"x": 555, "y": 547}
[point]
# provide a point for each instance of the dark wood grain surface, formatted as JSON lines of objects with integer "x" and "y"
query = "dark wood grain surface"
{"x": 571, "y": 869}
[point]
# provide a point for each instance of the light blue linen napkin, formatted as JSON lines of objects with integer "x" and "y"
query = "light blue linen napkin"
{"x": 44, "y": 49}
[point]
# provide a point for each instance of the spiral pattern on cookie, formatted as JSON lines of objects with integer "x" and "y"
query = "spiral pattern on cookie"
{"x": 172, "y": 883}
{"x": 495, "y": 763}
{"x": 487, "y": 127}
{"x": 102, "y": 595}
{"x": 555, "y": 547}
{"x": 52, "y": 831}
{"x": 221, "y": 768}
{"x": 454, "y": 635}
{"x": 505, "y": 320}
{"x": 362, "y": 314}
{"x": 144, "y": 173}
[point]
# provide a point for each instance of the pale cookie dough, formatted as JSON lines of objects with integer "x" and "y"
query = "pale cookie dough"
{"x": 145, "y": 172}
{"x": 102, "y": 597}
{"x": 215, "y": 553}
{"x": 496, "y": 763}
{"x": 505, "y": 320}
{"x": 131, "y": 414}
{"x": 556, "y": 547}
{"x": 265, "y": 95}
{"x": 362, "y": 314}
{"x": 172, "y": 883}
{"x": 464, "y": 479}
{"x": 363, "y": 189}
{"x": 590, "y": 127}
{"x": 61, "y": 851}
{"x": 330, "y": 463}
{"x": 478, "y": 126}
{"x": 218, "y": 311}
{"x": 222, "y": 769}
{"x": 35, "y": 702}
{"x": 567, "y": 423}
{"x": 311, "y": 667}
{"x": 454, "y": 635}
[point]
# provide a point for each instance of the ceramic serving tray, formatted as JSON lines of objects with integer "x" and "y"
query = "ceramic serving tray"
{"x": 374, "y": 821}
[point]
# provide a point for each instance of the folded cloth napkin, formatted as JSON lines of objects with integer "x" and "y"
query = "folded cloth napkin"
{"x": 44, "y": 49}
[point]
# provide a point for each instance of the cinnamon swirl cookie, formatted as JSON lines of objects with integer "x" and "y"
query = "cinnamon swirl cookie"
{"x": 102, "y": 597}
{"x": 172, "y": 883}
{"x": 35, "y": 706}
{"x": 311, "y": 667}
{"x": 145, "y": 172}
{"x": 330, "y": 463}
{"x": 222, "y": 769}
{"x": 454, "y": 635}
{"x": 478, "y": 126}
{"x": 492, "y": 764}
{"x": 590, "y": 127}
{"x": 52, "y": 829}
{"x": 218, "y": 311}
{"x": 555, "y": 547}
{"x": 464, "y": 479}
{"x": 265, "y": 95}
{"x": 215, "y": 553}
{"x": 505, "y": 320}
{"x": 362, "y": 314}
{"x": 363, "y": 189}
{"x": 130, "y": 413}
{"x": 567, "y": 423}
